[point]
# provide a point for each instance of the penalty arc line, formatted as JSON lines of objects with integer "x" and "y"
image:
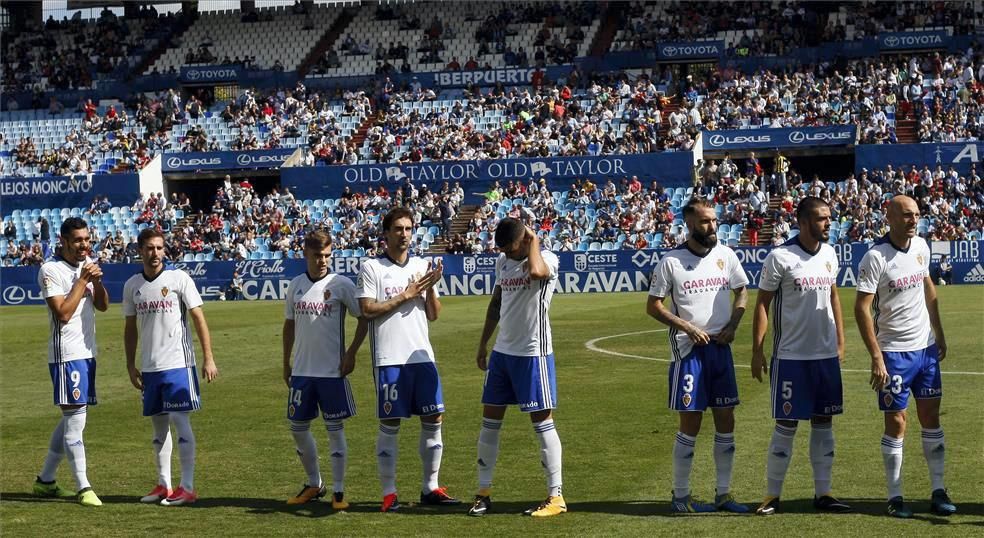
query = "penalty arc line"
{"x": 591, "y": 345}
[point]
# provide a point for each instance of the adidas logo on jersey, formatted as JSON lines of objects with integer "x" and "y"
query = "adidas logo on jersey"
{"x": 975, "y": 275}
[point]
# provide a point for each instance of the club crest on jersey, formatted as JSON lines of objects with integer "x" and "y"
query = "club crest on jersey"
{"x": 887, "y": 398}
{"x": 46, "y": 282}
{"x": 787, "y": 408}
{"x": 686, "y": 400}
{"x": 919, "y": 259}
{"x": 290, "y": 411}
{"x": 720, "y": 264}
{"x": 862, "y": 274}
{"x": 327, "y": 294}
{"x": 76, "y": 394}
{"x": 387, "y": 407}
{"x": 829, "y": 269}
{"x": 164, "y": 291}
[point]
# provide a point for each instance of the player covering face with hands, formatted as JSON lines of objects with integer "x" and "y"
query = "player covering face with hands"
{"x": 72, "y": 288}
{"x": 520, "y": 370}
{"x": 157, "y": 304}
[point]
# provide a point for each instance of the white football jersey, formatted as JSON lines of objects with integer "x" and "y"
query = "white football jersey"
{"x": 700, "y": 287}
{"x": 318, "y": 309}
{"x": 524, "y": 316}
{"x": 400, "y": 337}
{"x": 161, "y": 306}
{"x": 803, "y": 320}
{"x": 76, "y": 339}
{"x": 896, "y": 278}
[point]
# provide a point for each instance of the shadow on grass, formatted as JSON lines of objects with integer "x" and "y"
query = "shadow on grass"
{"x": 20, "y": 496}
{"x": 638, "y": 508}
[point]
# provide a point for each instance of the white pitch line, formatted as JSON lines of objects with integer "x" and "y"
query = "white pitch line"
{"x": 590, "y": 346}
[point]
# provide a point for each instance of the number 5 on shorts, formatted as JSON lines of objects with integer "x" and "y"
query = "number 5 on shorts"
{"x": 787, "y": 390}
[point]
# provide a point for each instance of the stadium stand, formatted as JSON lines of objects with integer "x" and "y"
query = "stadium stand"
{"x": 265, "y": 38}
{"x": 73, "y": 54}
{"x": 908, "y": 97}
{"x": 462, "y": 36}
{"x": 753, "y": 29}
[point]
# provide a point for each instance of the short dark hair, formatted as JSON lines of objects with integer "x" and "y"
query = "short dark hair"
{"x": 807, "y": 206}
{"x": 395, "y": 214}
{"x": 508, "y": 231}
{"x": 691, "y": 206}
{"x": 72, "y": 223}
{"x": 147, "y": 234}
{"x": 317, "y": 240}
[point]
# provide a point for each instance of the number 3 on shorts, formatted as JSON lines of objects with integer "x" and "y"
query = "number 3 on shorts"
{"x": 389, "y": 392}
{"x": 688, "y": 383}
{"x": 787, "y": 390}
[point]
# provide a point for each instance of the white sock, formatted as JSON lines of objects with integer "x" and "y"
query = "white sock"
{"x": 551, "y": 455}
{"x": 777, "y": 463}
{"x": 431, "y": 450}
{"x": 162, "y": 448}
{"x": 724, "y": 460}
{"x": 307, "y": 451}
{"x": 387, "y": 451}
{"x": 935, "y": 451}
{"x": 56, "y": 452}
{"x": 74, "y": 447}
{"x": 488, "y": 451}
{"x": 892, "y": 456}
{"x": 339, "y": 453}
{"x": 683, "y": 461}
{"x": 186, "y": 448}
{"x": 822, "y": 457}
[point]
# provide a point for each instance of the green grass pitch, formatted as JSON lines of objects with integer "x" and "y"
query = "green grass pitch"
{"x": 612, "y": 420}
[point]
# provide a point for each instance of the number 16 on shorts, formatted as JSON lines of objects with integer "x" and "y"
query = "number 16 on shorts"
{"x": 409, "y": 389}
{"x": 388, "y": 393}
